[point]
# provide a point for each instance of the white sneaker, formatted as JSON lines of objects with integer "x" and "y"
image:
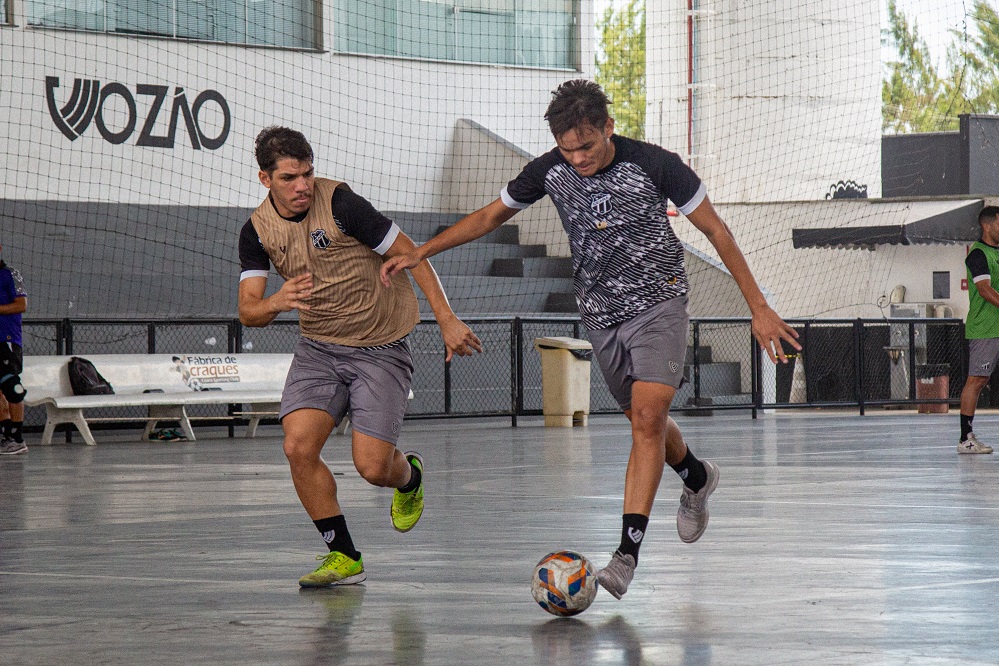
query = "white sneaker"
{"x": 8, "y": 447}
{"x": 692, "y": 516}
{"x": 972, "y": 445}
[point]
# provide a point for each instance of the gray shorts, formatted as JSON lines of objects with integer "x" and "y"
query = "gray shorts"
{"x": 982, "y": 357}
{"x": 372, "y": 384}
{"x": 648, "y": 348}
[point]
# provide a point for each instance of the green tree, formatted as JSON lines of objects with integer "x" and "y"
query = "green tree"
{"x": 621, "y": 65}
{"x": 914, "y": 98}
{"x": 979, "y": 57}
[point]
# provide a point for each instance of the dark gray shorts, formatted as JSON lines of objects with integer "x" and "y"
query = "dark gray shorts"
{"x": 372, "y": 384}
{"x": 648, "y": 348}
{"x": 982, "y": 357}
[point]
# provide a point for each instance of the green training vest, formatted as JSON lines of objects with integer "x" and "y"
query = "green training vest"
{"x": 983, "y": 317}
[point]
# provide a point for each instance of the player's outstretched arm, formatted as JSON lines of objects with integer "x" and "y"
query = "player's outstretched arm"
{"x": 472, "y": 226}
{"x": 458, "y": 337}
{"x": 768, "y": 328}
{"x": 255, "y": 310}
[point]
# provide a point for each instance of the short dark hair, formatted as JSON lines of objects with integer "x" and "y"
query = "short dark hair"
{"x": 275, "y": 143}
{"x": 574, "y": 104}
{"x": 988, "y": 214}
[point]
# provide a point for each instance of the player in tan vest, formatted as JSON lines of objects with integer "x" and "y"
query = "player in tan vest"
{"x": 328, "y": 244}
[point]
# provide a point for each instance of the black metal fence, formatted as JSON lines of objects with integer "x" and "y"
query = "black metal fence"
{"x": 844, "y": 363}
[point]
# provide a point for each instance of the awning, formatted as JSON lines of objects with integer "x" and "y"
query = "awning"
{"x": 866, "y": 224}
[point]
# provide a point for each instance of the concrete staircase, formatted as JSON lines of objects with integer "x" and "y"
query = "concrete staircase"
{"x": 508, "y": 277}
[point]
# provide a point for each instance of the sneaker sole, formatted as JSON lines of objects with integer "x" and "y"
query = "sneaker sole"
{"x": 391, "y": 517}
{"x": 711, "y": 488}
{"x": 349, "y": 580}
{"x": 972, "y": 452}
{"x": 14, "y": 453}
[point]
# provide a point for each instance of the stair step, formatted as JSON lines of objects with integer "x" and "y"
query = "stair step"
{"x": 507, "y": 233}
{"x": 560, "y": 267}
{"x": 561, "y": 302}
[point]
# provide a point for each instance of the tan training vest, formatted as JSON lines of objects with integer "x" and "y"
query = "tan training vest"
{"x": 349, "y": 305}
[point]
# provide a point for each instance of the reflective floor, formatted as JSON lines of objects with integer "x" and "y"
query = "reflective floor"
{"x": 833, "y": 540}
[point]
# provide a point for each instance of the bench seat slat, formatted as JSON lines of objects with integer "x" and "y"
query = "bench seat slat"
{"x": 142, "y": 399}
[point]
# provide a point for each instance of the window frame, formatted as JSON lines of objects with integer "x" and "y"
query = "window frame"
{"x": 574, "y": 44}
{"x": 316, "y": 37}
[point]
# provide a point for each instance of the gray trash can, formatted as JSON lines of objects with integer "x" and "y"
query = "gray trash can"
{"x": 565, "y": 380}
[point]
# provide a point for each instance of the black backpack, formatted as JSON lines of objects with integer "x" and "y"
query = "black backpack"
{"x": 85, "y": 379}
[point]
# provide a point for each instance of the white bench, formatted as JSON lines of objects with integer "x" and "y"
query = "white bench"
{"x": 179, "y": 380}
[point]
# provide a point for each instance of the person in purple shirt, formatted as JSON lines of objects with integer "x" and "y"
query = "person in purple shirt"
{"x": 13, "y": 302}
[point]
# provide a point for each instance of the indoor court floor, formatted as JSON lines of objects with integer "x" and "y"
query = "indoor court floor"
{"x": 834, "y": 539}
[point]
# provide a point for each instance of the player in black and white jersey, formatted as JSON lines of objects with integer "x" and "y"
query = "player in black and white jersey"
{"x": 612, "y": 195}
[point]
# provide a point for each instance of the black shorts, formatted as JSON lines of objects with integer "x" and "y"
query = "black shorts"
{"x": 11, "y": 358}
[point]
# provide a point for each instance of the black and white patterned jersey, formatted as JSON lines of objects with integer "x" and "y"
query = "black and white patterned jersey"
{"x": 625, "y": 256}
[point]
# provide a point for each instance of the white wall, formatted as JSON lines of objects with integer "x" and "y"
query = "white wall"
{"x": 383, "y": 124}
{"x": 826, "y": 282}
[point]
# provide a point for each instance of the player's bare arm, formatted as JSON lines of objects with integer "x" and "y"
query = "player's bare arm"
{"x": 255, "y": 310}
{"x": 18, "y": 306}
{"x": 472, "y": 226}
{"x": 458, "y": 337}
{"x": 768, "y": 328}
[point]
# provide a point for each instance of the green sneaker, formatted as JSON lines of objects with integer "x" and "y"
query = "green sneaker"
{"x": 336, "y": 569}
{"x": 408, "y": 507}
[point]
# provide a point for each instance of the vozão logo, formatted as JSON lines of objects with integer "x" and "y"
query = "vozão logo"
{"x": 88, "y": 97}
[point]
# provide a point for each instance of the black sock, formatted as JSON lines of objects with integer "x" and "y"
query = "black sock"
{"x": 336, "y": 536}
{"x": 692, "y": 471}
{"x": 15, "y": 431}
{"x": 633, "y": 526}
{"x": 414, "y": 479}
{"x": 966, "y": 426}
{"x": 5, "y": 427}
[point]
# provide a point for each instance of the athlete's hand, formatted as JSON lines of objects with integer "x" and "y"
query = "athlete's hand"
{"x": 458, "y": 338}
{"x": 769, "y": 330}
{"x": 293, "y": 294}
{"x": 400, "y": 262}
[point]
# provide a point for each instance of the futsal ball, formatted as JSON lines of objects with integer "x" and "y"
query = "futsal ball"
{"x": 564, "y": 583}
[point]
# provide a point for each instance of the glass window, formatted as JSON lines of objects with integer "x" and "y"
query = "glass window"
{"x": 538, "y": 33}
{"x": 289, "y": 23}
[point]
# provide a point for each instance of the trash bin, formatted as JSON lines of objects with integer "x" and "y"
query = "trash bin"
{"x": 933, "y": 381}
{"x": 565, "y": 380}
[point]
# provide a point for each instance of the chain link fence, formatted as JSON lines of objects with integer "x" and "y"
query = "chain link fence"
{"x": 861, "y": 363}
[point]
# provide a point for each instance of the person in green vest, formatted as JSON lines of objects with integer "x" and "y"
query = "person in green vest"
{"x": 982, "y": 328}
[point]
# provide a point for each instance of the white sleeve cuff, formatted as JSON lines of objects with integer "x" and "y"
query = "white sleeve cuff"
{"x": 979, "y": 278}
{"x": 252, "y": 274}
{"x": 695, "y": 200}
{"x": 510, "y": 202}
{"x": 390, "y": 237}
